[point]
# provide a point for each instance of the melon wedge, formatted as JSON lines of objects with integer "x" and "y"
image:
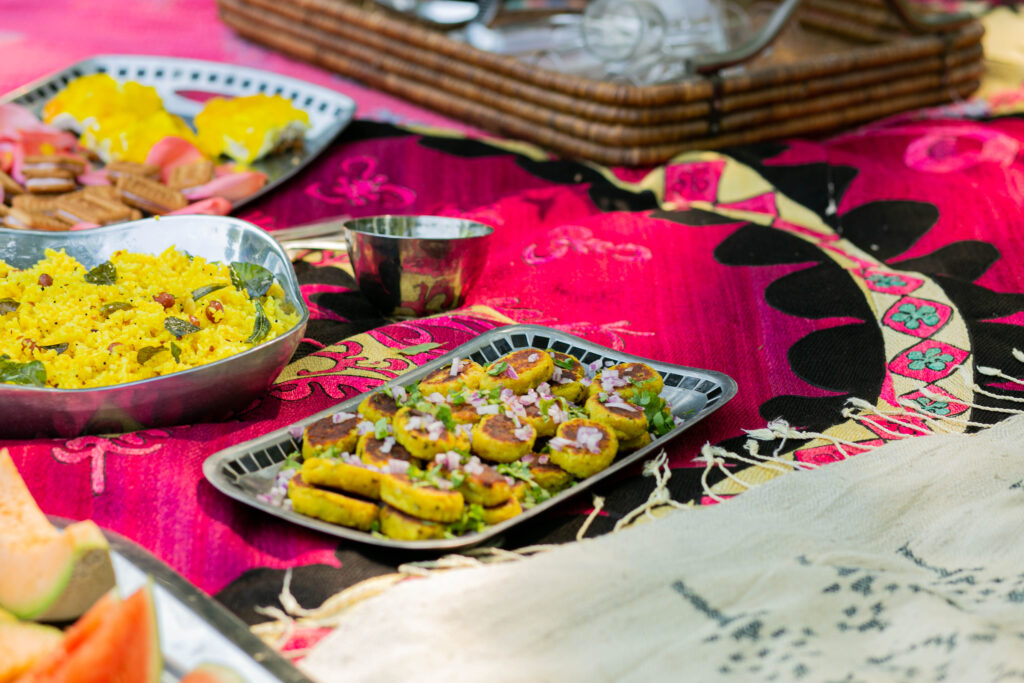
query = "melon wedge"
{"x": 116, "y": 640}
{"x": 24, "y": 644}
{"x": 212, "y": 673}
{"x": 46, "y": 574}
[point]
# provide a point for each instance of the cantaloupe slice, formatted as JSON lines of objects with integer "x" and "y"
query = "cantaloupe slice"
{"x": 116, "y": 640}
{"x": 46, "y": 574}
{"x": 212, "y": 673}
{"x": 24, "y": 644}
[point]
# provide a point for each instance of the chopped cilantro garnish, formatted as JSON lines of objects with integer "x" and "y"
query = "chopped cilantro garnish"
{"x": 497, "y": 369}
{"x": 457, "y": 478}
{"x": 564, "y": 363}
{"x": 380, "y": 428}
{"x": 494, "y": 394}
{"x": 518, "y": 470}
{"x": 457, "y": 398}
{"x": 292, "y": 461}
{"x": 472, "y": 520}
{"x": 658, "y": 417}
{"x": 444, "y": 414}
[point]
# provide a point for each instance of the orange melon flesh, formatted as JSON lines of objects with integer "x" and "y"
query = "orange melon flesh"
{"x": 212, "y": 673}
{"x": 46, "y": 574}
{"x": 116, "y": 640}
{"x": 22, "y": 645}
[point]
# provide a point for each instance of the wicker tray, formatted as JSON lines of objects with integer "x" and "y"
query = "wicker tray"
{"x": 856, "y": 61}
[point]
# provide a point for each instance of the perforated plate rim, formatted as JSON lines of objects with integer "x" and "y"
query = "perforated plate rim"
{"x": 330, "y": 111}
{"x": 717, "y": 387}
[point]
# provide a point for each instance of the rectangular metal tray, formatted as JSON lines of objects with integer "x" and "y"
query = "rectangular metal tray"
{"x": 182, "y": 84}
{"x": 693, "y": 393}
{"x": 194, "y": 629}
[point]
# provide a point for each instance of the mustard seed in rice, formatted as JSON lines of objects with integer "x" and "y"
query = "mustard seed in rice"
{"x": 70, "y": 321}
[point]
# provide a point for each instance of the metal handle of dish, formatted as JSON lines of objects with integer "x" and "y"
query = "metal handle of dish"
{"x": 913, "y": 20}
{"x": 313, "y": 235}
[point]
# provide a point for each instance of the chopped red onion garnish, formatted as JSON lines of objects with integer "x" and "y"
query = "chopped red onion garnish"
{"x": 515, "y": 421}
{"x": 476, "y": 399}
{"x": 414, "y": 422}
{"x": 487, "y": 410}
{"x": 511, "y": 480}
{"x": 516, "y": 408}
{"x": 556, "y": 414}
{"x": 565, "y": 380}
{"x": 295, "y": 431}
{"x": 452, "y": 460}
{"x": 560, "y": 442}
{"x": 435, "y": 430}
{"x": 399, "y": 394}
{"x": 523, "y": 433}
{"x": 589, "y": 438}
{"x": 529, "y": 458}
{"x": 364, "y": 427}
{"x": 543, "y": 459}
{"x": 533, "y": 358}
{"x": 474, "y": 466}
{"x": 397, "y": 466}
{"x": 610, "y": 374}
{"x": 622, "y": 405}
{"x": 511, "y": 372}
{"x": 338, "y": 418}
{"x": 388, "y": 444}
{"x": 586, "y": 381}
{"x": 436, "y": 398}
{"x": 456, "y": 367}
{"x": 528, "y": 399}
{"x": 544, "y": 390}
{"x": 557, "y": 374}
{"x": 507, "y": 395}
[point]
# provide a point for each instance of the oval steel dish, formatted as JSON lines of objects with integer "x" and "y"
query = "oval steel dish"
{"x": 208, "y": 392}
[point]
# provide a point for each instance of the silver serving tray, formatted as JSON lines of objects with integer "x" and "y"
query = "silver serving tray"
{"x": 194, "y": 628}
{"x": 243, "y": 471}
{"x": 329, "y": 111}
{"x": 204, "y": 393}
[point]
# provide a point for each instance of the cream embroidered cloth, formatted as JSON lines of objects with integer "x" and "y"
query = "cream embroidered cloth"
{"x": 901, "y": 564}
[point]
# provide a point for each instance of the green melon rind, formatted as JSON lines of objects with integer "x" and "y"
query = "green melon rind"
{"x": 86, "y": 576}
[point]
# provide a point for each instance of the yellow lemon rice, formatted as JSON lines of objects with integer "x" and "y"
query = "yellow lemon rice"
{"x": 106, "y": 326}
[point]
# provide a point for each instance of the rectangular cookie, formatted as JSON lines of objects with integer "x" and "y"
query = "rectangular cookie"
{"x": 30, "y": 220}
{"x": 51, "y": 162}
{"x": 148, "y": 195}
{"x": 191, "y": 175}
{"x": 34, "y": 203}
{"x": 9, "y": 185}
{"x": 116, "y": 169}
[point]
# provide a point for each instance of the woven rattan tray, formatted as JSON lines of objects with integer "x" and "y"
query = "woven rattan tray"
{"x": 854, "y": 60}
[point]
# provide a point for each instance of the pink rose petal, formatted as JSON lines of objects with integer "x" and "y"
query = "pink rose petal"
{"x": 212, "y": 206}
{"x": 234, "y": 187}
{"x": 84, "y": 225}
{"x": 171, "y": 152}
{"x": 16, "y": 116}
{"x": 98, "y": 177}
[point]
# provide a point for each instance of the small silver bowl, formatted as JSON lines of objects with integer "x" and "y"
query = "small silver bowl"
{"x": 201, "y": 394}
{"x": 411, "y": 266}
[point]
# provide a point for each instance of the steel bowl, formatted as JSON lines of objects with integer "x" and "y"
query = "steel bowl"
{"x": 202, "y": 394}
{"x": 410, "y": 266}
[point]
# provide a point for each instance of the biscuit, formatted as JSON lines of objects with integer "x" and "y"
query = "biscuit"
{"x": 34, "y": 203}
{"x": 191, "y": 175}
{"x": 20, "y": 219}
{"x": 9, "y": 185}
{"x": 79, "y": 208}
{"x": 108, "y": 192}
{"x": 51, "y": 162}
{"x": 116, "y": 169}
{"x": 149, "y": 195}
{"x": 55, "y": 184}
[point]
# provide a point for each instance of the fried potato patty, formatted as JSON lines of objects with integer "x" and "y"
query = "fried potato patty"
{"x": 424, "y": 502}
{"x": 498, "y": 439}
{"x": 416, "y": 431}
{"x": 628, "y": 420}
{"x": 519, "y": 371}
{"x": 330, "y": 506}
{"x": 444, "y": 382}
{"x": 378, "y": 405}
{"x": 583, "y": 447}
{"x": 402, "y": 527}
{"x": 332, "y": 432}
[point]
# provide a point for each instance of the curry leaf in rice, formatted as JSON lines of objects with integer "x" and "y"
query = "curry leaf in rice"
{"x": 200, "y": 292}
{"x": 255, "y": 280}
{"x": 8, "y": 306}
{"x": 103, "y": 274}
{"x": 12, "y": 372}
{"x": 107, "y": 309}
{"x": 147, "y": 352}
{"x": 261, "y": 328}
{"x": 176, "y": 352}
{"x": 179, "y": 328}
{"x": 59, "y": 348}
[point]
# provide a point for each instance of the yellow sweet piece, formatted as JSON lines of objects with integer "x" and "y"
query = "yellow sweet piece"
{"x": 329, "y": 506}
{"x": 499, "y": 513}
{"x": 498, "y": 439}
{"x": 402, "y": 527}
{"x": 628, "y": 420}
{"x": 418, "y": 441}
{"x": 443, "y": 382}
{"x": 336, "y": 474}
{"x": 249, "y": 128}
{"x": 423, "y": 502}
{"x": 576, "y": 458}
{"x": 519, "y": 371}
{"x": 89, "y": 99}
{"x": 127, "y": 136}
